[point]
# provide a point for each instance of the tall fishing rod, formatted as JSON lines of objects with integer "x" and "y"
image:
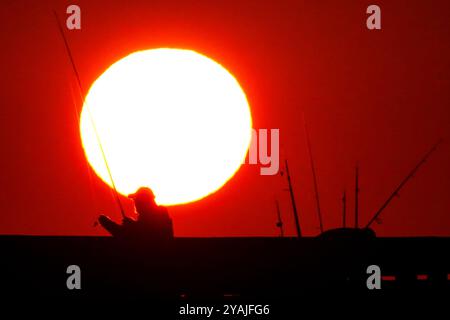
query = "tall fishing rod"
{"x": 116, "y": 193}
{"x": 409, "y": 176}
{"x": 294, "y": 206}
{"x": 313, "y": 169}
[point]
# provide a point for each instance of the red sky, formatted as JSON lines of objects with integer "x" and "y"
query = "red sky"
{"x": 377, "y": 97}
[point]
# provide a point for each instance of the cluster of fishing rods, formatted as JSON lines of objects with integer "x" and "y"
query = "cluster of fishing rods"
{"x": 374, "y": 218}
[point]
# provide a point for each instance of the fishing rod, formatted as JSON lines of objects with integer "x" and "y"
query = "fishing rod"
{"x": 279, "y": 223}
{"x": 313, "y": 169}
{"x": 294, "y": 206}
{"x": 116, "y": 193}
{"x": 409, "y": 176}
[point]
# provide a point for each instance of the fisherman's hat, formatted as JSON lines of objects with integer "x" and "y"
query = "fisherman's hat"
{"x": 143, "y": 193}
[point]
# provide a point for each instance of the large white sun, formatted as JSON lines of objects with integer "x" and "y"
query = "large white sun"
{"x": 169, "y": 119}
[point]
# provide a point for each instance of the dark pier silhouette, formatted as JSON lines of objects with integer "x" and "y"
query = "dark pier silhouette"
{"x": 262, "y": 268}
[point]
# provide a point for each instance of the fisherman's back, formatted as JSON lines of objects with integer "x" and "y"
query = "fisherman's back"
{"x": 155, "y": 224}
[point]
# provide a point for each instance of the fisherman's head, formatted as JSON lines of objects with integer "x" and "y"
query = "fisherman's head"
{"x": 143, "y": 198}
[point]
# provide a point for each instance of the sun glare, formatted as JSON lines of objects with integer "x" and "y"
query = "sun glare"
{"x": 170, "y": 119}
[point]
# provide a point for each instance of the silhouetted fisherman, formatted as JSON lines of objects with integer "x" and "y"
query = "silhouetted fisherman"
{"x": 153, "y": 221}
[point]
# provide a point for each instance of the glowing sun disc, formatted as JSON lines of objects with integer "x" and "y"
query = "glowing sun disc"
{"x": 170, "y": 119}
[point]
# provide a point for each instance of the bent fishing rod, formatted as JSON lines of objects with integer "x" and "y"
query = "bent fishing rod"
{"x": 91, "y": 118}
